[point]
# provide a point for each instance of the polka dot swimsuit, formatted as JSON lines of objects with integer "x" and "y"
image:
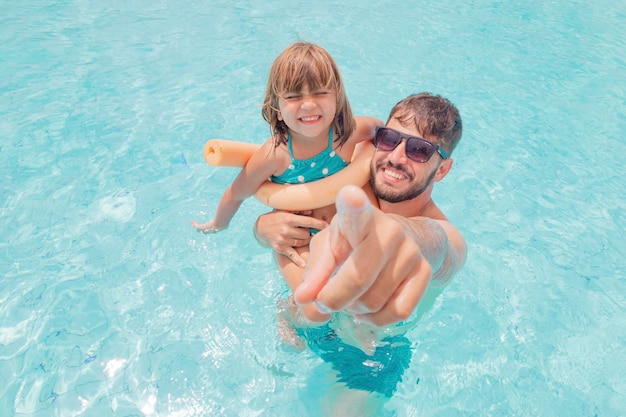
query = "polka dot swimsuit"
{"x": 321, "y": 165}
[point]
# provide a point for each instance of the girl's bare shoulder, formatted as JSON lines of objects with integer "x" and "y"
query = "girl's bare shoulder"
{"x": 275, "y": 156}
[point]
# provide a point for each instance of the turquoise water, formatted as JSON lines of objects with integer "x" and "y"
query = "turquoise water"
{"x": 111, "y": 305}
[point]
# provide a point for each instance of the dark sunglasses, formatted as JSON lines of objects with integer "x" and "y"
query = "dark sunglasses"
{"x": 417, "y": 149}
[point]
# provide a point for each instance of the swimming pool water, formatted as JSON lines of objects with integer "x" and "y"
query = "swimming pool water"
{"x": 111, "y": 305}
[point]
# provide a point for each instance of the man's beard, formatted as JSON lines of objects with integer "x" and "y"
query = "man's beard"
{"x": 395, "y": 196}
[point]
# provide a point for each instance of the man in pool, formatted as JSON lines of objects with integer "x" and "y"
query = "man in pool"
{"x": 387, "y": 263}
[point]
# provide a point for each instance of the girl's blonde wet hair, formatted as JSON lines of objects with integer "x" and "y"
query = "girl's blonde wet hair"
{"x": 300, "y": 64}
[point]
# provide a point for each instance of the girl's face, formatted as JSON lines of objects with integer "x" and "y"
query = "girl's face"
{"x": 308, "y": 113}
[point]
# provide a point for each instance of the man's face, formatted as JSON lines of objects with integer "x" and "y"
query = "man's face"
{"x": 396, "y": 178}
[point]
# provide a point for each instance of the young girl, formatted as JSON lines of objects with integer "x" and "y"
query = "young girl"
{"x": 314, "y": 136}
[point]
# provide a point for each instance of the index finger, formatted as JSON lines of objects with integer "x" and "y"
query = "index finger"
{"x": 319, "y": 268}
{"x": 353, "y": 277}
{"x": 334, "y": 247}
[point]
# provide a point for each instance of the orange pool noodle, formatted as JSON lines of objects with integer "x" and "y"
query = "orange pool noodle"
{"x": 228, "y": 153}
{"x": 320, "y": 193}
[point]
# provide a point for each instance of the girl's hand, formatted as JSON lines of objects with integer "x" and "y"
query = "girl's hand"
{"x": 283, "y": 231}
{"x": 206, "y": 228}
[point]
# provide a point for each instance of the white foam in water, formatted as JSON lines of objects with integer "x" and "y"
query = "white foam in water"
{"x": 113, "y": 366}
{"x": 119, "y": 209}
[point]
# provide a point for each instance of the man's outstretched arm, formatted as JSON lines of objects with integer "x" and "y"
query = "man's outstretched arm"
{"x": 380, "y": 264}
